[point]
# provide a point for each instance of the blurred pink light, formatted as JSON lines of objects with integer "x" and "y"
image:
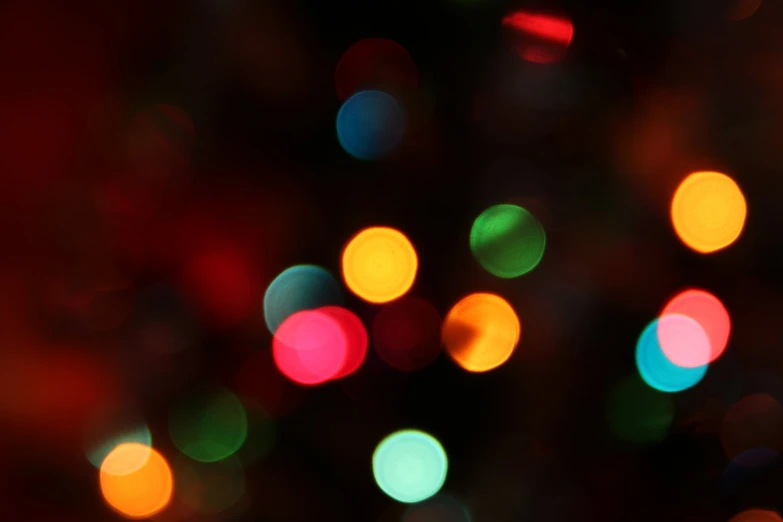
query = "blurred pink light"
{"x": 310, "y": 347}
{"x": 709, "y": 312}
{"x": 355, "y": 335}
{"x": 683, "y": 341}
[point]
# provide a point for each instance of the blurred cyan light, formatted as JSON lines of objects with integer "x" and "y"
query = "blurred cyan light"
{"x": 300, "y": 287}
{"x": 355, "y": 336}
{"x": 406, "y": 333}
{"x": 507, "y": 240}
{"x": 208, "y": 426}
{"x": 370, "y": 125}
{"x": 375, "y": 63}
{"x": 136, "y": 492}
{"x": 705, "y": 309}
{"x": 410, "y": 466}
{"x": 480, "y": 332}
{"x": 708, "y": 211}
{"x": 310, "y": 347}
{"x": 638, "y": 413}
{"x": 657, "y": 370}
{"x": 379, "y": 264}
{"x": 107, "y": 431}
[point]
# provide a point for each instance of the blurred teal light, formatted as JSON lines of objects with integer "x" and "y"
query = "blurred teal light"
{"x": 300, "y": 287}
{"x": 410, "y": 466}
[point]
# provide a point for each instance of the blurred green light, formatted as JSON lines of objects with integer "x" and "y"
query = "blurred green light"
{"x": 638, "y": 413}
{"x": 410, "y": 466}
{"x": 208, "y": 427}
{"x": 507, "y": 240}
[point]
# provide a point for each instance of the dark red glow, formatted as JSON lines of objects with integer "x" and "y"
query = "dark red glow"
{"x": 259, "y": 379}
{"x": 355, "y": 335}
{"x": 406, "y": 333}
{"x": 310, "y": 347}
{"x": 375, "y": 63}
{"x": 540, "y": 37}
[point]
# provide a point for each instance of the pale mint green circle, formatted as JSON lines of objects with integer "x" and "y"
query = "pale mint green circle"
{"x": 410, "y": 466}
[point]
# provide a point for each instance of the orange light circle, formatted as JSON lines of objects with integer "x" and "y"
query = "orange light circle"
{"x": 480, "y": 332}
{"x": 756, "y": 515}
{"x": 708, "y": 211}
{"x": 379, "y": 264}
{"x": 136, "y": 491}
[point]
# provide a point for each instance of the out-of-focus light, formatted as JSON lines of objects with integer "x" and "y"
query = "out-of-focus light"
{"x": 507, "y": 240}
{"x": 756, "y": 515}
{"x": 379, "y": 264}
{"x": 708, "y": 211}
{"x": 657, "y": 370}
{"x": 439, "y": 508}
{"x": 260, "y": 434}
{"x": 748, "y": 467}
{"x": 355, "y": 337}
{"x": 410, "y": 466}
{"x": 209, "y": 488}
{"x": 540, "y": 37}
{"x": 406, "y": 333}
{"x": 683, "y": 341}
{"x": 375, "y": 63}
{"x": 310, "y": 347}
{"x": 744, "y": 9}
{"x": 208, "y": 426}
{"x": 370, "y": 124}
{"x": 136, "y": 492}
{"x": 705, "y": 309}
{"x": 755, "y": 421}
{"x": 300, "y": 287}
{"x": 109, "y": 431}
{"x": 638, "y": 413}
{"x": 480, "y": 332}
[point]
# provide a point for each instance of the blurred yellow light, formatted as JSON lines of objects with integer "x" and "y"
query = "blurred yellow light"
{"x": 136, "y": 491}
{"x": 708, "y": 211}
{"x": 480, "y": 332}
{"x": 379, "y": 264}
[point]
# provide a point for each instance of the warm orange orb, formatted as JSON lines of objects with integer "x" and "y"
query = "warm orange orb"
{"x": 136, "y": 491}
{"x": 480, "y": 332}
{"x": 708, "y": 211}
{"x": 379, "y": 264}
{"x": 756, "y": 515}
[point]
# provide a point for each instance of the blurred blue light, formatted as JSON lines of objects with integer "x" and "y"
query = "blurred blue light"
{"x": 300, "y": 287}
{"x": 370, "y": 124}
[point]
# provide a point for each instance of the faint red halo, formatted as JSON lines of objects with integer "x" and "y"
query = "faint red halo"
{"x": 707, "y": 310}
{"x": 375, "y": 63}
{"x": 540, "y": 37}
{"x": 406, "y": 333}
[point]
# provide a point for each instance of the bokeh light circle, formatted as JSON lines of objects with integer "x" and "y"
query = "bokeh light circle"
{"x": 638, "y": 413}
{"x": 300, "y": 287}
{"x": 540, "y": 37}
{"x": 410, "y": 466}
{"x": 209, "y": 488}
{"x": 657, "y": 370}
{"x": 379, "y": 264}
{"x": 208, "y": 426}
{"x": 355, "y": 337}
{"x": 310, "y": 347}
{"x": 107, "y": 431}
{"x": 370, "y": 124}
{"x": 683, "y": 341}
{"x": 708, "y": 211}
{"x": 754, "y": 421}
{"x": 406, "y": 333}
{"x": 481, "y": 331}
{"x": 708, "y": 311}
{"x": 757, "y": 515}
{"x": 507, "y": 240}
{"x": 142, "y": 491}
{"x": 375, "y": 63}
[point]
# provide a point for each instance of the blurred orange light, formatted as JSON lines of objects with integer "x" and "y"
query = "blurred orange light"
{"x": 379, "y": 264}
{"x": 705, "y": 309}
{"x": 136, "y": 491}
{"x": 480, "y": 332}
{"x": 708, "y": 211}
